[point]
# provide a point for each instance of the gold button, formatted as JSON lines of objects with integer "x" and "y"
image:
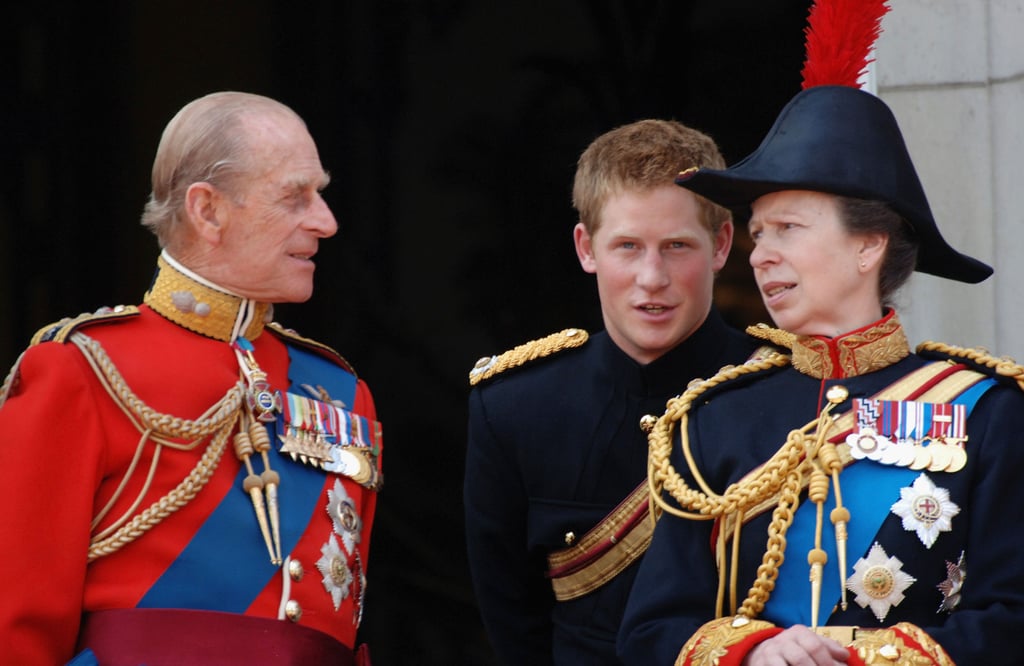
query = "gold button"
{"x": 295, "y": 570}
{"x": 292, "y": 610}
{"x": 647, "y": 422}
{"x": 482, "y": 362}
{"x": 837, "y": 394}
{"x": 570, "y": 538}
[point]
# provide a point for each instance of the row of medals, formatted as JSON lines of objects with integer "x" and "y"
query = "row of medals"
{"x": 313, "y": 448}
{"x": 940, "y": 455}
{"x": 310, "y": 445}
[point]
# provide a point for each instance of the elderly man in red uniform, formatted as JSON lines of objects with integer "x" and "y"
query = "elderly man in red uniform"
{"x": 186, "y": 481}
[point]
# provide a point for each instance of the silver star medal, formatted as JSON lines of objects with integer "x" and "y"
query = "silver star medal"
{"x": 333, "y": 564}
{"x": 879, "y": 582}
{"x": 925, "y": 509}
{"x": 953, "y": 585}
{"x": 337, "y": 577}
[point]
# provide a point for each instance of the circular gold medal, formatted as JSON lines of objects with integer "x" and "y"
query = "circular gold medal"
{"x": 922, "y": 458}
{"x": 958, "y": 458}
{"x": 942, "y": 455}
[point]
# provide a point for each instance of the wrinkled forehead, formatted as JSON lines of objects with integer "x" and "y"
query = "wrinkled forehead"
{"x": 279, "y": 144}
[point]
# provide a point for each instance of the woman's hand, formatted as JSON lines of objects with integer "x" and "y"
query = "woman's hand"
{"x": 797, "y": 646}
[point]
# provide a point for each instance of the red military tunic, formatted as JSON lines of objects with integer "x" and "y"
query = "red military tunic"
{"x": 67, "y": 446}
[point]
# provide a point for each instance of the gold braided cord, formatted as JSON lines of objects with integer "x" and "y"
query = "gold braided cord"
{"x": 1004, "y": 366}
{"x": 216, "y": 424}
{"x": 181, "y": 495}
{"x": 165, "y": 425}
{"x": 780, "y": 479}
{"x": 129, "y": 473}
{"x": 707, "y": 505}
{"x": 556, "y": 342}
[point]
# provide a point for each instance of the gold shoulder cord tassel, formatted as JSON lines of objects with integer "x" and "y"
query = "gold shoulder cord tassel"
{"x": 271, "y": 481}
{"x": 253, "y": 485}
{"x": 826, "y": 461}
{"x": 806, "y": 454}
{"x": 817, "y": 557}
{"x": 251, "y": 438}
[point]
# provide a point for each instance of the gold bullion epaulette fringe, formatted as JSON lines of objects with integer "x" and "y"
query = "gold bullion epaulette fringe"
{"x": 1002, "y": 367}
{"x": 776, "y": 336}
{"x": 317, "y": 347}
{"x": 60, "y": 331}
{"x": 490, "y": 366}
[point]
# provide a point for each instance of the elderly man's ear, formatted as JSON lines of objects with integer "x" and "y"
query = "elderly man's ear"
{"x": 206, "y": 211}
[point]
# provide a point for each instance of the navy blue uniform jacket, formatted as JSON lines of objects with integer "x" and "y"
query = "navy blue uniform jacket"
{"x": 739, "y": 425}
{"x": 554, "y": 446}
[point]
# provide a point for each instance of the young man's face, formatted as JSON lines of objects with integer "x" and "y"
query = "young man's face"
{"x": 655, "y": 264}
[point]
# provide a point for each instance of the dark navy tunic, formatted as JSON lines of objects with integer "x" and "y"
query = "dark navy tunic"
{"x": 554, "y": 446}
{"x": 738, "y": 425}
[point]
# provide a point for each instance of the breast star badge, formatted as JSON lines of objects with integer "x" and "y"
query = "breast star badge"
{"x": 340, "y": 575}
{"x": 879, "y": 582}
{"x": 925, "y": 509}
{"x": 337, "y": 577}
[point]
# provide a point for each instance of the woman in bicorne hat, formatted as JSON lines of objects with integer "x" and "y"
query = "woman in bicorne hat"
{"x": 836, "y": 491}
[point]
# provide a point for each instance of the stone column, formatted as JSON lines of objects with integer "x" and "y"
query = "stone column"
{"x": 953, "y": 73}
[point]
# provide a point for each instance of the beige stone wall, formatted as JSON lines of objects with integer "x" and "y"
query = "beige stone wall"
{"x": 953, "y": 73}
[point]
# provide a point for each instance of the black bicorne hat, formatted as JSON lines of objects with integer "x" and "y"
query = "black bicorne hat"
{"x": 839, "y": 140}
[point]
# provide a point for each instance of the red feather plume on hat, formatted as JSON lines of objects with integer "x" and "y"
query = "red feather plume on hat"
{"x": 839, "y": 37}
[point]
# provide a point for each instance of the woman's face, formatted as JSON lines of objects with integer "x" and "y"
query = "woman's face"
{"x": 815, "y": 278}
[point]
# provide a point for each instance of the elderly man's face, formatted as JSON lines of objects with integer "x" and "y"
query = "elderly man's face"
{"x": 278, "y": 217}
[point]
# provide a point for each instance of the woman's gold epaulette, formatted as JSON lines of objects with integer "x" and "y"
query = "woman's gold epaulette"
{"x": 318, "y": 347}
{"x": 1003, "y": 368}
{"x": 765, "y": 357}
{"x": 490, "y": 366}
{"x": 60, "y": 331}
{"x": 776, "y": 336}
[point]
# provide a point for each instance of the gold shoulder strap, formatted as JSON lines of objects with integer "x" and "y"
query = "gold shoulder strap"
{"x": 318, "y": 347}
{"x": 61, "y": 331}
{"x": 489, "y": 366}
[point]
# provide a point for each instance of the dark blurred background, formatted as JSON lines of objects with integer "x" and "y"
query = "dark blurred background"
{"x": 451, "y": 129}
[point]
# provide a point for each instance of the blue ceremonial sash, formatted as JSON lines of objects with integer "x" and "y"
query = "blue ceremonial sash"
{"x": 868, "y": 490}
{"x": 228, "y": 549}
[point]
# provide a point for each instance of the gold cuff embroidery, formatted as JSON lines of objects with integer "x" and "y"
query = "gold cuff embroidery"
{"x": 713, "y": 640}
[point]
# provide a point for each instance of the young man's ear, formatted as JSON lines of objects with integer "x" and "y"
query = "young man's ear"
{"x": 584, "y": 248}
{"x": 723, "y": 243}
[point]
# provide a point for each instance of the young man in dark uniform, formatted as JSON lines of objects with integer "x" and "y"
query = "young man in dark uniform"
{"x": 554, "y": 488}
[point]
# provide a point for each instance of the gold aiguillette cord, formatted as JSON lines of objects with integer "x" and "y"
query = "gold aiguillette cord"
{"x": 261, "y": 405}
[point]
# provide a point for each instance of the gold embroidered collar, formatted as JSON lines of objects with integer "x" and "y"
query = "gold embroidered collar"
{"x": 198, "y": 305}
{"x": 858, "y": 352}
